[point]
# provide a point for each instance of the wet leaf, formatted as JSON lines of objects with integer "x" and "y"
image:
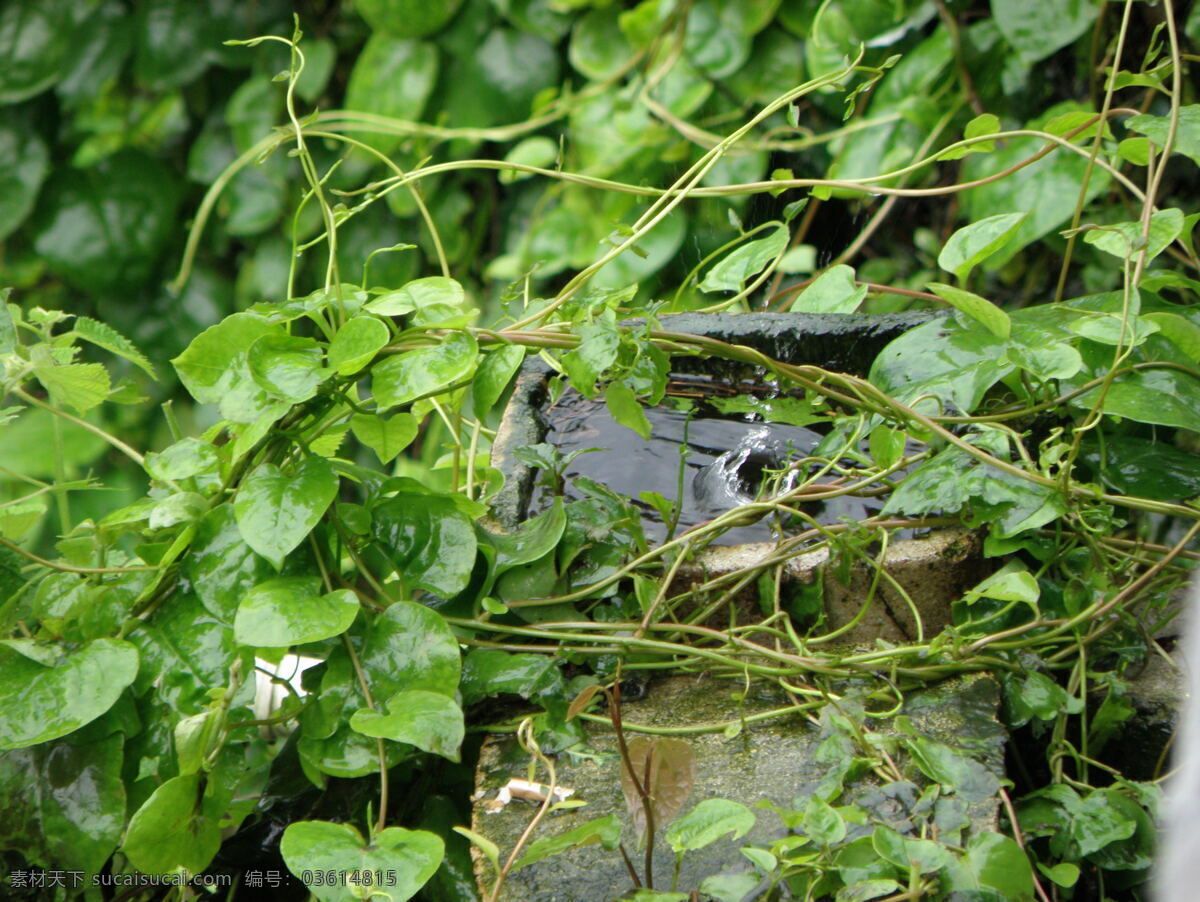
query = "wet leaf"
{"x": 1036, "y": 29}
{"x": 956, "y": 773}
{"x": 1187, "y": 137}
{"x": 276, "y": 511}
{"x": 834, "y": 291}
{"x": 604, "y": 830}
{"x": 490, "y": 671}
{"x": 425, "y": 371}
{"x": 495, "y": 372}
{"x": 24, "y": 162}
{"x": 407, "y": 18}
{"x": 287, "y": 367}
{"x": 356, "y": 344}
{"x": 319, "y": 847}
{"x": 665, "y": 769}
{"x": 1036, "y": 695}
{"x": 43, "y": 701}
{"x": 221, "y": 566}
{"x": 176, "y": 827}
{"x": 35, "y": 36}
{"x": 428, "y": 720}
{"x": 411, "y": 647}
{"x": 994, "y": 319}
{"x": 707, "y": 822}
{"x": 1124, "y": 239}
{"x": 974, "y": 243}
{"x": 625, "y": 408}
{"x": 992, "y": 862}
{"x": 1144, "y": 467}
{"x": 104, "y": 228}
{"x": 732, "y": 272}
{"x": 426, "y": 540}
{"x": 215, "y": 367}
{"x": 290, "y": 611}
{"x": 392, "y": 77}
{"x": 386, "y": 436}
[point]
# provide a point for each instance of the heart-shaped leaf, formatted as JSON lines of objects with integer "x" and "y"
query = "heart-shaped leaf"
{"x": 275, "y": 511}
{"x": 356, "y": 343}
{"x": 425, "y": 371}
{"x": 318, "y": 847}
{"x": 176, "y": 827}
{"x": 430, "y": 721}
{"x": 664, "y": 767}
{"x": 42, "y": 698}
{"x": 388, "y": 436}
{"x": 289, "y": 611}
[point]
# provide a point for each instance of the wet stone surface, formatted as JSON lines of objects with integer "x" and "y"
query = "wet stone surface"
{"x": 773, "y": 760}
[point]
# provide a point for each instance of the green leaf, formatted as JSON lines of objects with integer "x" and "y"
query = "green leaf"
{"x": 35, "y": 37}
{"x": 598, "y": 48}
{"x": 78, "y": 385}
{"x": 1144, "y": 467}
{"x": 495, "y": 372}
{"x": 491, "y": 671}
{"x": 992, "y": 862}
{"x": 319, "y": 847}
{"x": 288, "y": 367}
{"x": 604, "y": 830}
{"x": 599, "y": 344}
{"x": 177, "y": 827}
{"x": 1036, "y": 695}
{"x": 538, "y": 151}
{"x": 976, "y": 242}
{"x": 983, "y": 124}
{"x": 105, "y": 336}
{"x": 822, "y": 823}
{"x": 1124, "y": 239}
{"x": 425, "y": 371}
{"x": 407, "y": 18}
{"x": 623, "y": 404}
{"x": 356, "y": 344}
{"x": 1048, "y": 189}
{"x": 1181, "y": 331}
{"x": 497, "y": 81}
{"x": 65, "y": 802}
{"x": 24, "y": 162}
{"x": 186, "y": 458}
{"x": 426, "y": 540}
{"x": 956, "y": 773}
{"x": 1012, "y": 582}
{"x": 289, "y": 611}
{"x": 834, "y": 291}
{"x": 8, "y": 328}
{"x": 707, "y": 822}
{"x": 411, "y": 647}
{"x": 732, "y": 272}
{"x": 215, "y": 368}
{"x": 1037, "y": 29}
{"x": 1156, "y": 128}
{"x": 993, "y": 318}
{"x": 428, "y": 720}
{"x": 532, "y": 540}
{"x": 1162, "y": 397}
{"x": 275, "y": 511}
{"x": 103, "y": 229}
{"x": 387, "y": 437}
{"x": 221, "y": 566}
{"x": 40, "y": 702}
{"x": 392, "y": 77}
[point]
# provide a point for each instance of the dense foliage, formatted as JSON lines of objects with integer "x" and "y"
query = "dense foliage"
{"x": 366, "y": 231}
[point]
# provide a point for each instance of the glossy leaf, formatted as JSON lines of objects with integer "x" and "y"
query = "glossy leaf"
{"x": 599, "y": 342}
{"x": 1143, "y": 467}
{"x": 65, "y": 802}
{"x": 290, "y": 611}
{"x": 974, "y": 243}
{"x": 411, "y": 647}
{"x": 407, "y": 18}
{"x": 428, "y": 720}
{"x": 221, "y": 566}
{"x": 1125, "y": 239}
{"x": 35, "y": 36}
{"x": 427, "y": 540}
{"x": 276, "y": 511}
{"x": 993, "y": 318}
{"x": 603, "y": 830}
{"x": 287, "y": 367}
{"x": 491, "y": 671}
{"x": 176, "y": 827}
{"x": 1157, "y": 128}
{"x": 625, "y": 408}
{"x": 43, "y": 701}
{"x": 958, "y": 774}
{"x": 392, "y": 77}
{"x": 709, "y": 821}
{"x": 356, "y": 344}
{"x": 496, "y": 370}
{"x": 319, "y": 847}
{"x": 24, "y": 162}
{"x": 386, "y": 436}
{"x": 1037, "y": 29}
{"x": 531, "y": 540}
{"x": 103, "y": 228}
{"x": 992, "y": 862}
{"x": 215, "y": 367}
{"x": 834, "y": 291}
{"x": 425, "y": 371}
{"x": 743, "y": 263}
